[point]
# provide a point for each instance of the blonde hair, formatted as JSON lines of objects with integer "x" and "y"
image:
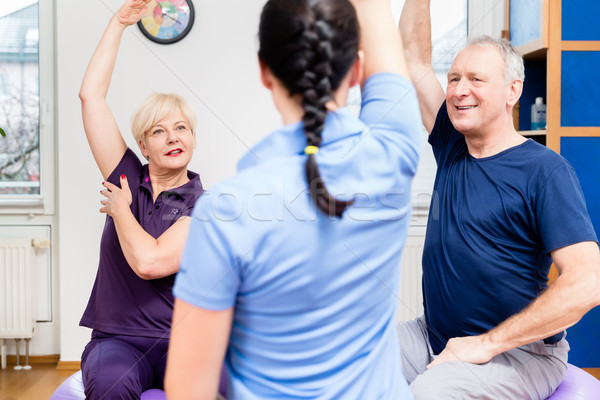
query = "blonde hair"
{"x": 156, "y": 107}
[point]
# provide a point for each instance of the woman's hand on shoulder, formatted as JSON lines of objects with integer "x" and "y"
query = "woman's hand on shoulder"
{"x": 132, "y": 11}
{"x": 117, "y": 199}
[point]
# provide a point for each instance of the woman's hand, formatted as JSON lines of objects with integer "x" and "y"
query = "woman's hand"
{"x": 132, "y": 11}
{"x": 117, "y": 199}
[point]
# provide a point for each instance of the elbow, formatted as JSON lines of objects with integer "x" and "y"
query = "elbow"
{"x": 142, "y": 266}
{"x": 87, "y": 95}
{"x": 591, "y": 285}
{"x": 147, "y": 276}
{"x": 144, "y": 270}
{"x": 149, "y": 267}
{"x": 83, "y": 95}
{"x": 589, "y": 290}
{"x": 596, "y": 291}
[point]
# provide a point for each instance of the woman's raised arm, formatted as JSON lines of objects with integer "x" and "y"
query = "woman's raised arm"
{"x": 103, "y": 134}
{"x": 379, "y": 38}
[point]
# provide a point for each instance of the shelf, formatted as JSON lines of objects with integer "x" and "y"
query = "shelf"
{"x": 538, "y": 136}
{"x": 533, "y": 133}
{"x": 536, "y": 55}
{"x": 534, "y": 50}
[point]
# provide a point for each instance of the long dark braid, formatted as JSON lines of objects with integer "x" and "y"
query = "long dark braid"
{"x": 310, "y": 45}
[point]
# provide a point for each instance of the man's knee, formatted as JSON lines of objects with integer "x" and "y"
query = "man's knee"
{"x": 428, "y": 387}
{"x": 414, "y": 349}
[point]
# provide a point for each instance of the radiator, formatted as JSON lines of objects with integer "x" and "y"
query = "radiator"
{"x": 410, "y": 296}
{"x": 17, "y": 318}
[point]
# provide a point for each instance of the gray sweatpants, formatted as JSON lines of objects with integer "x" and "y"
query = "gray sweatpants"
{"x": 530, "y": 372}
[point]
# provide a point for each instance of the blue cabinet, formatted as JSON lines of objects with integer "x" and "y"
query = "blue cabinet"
{"x": 580, "y": 83}
{"x": 582, "y": 153}
{"x": 580, "y": 20}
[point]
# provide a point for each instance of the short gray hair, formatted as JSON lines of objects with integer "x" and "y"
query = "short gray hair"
{"x": 514, "y": 68}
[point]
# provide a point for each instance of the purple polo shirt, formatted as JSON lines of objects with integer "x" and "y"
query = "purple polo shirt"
{"x": 121, "y": 302}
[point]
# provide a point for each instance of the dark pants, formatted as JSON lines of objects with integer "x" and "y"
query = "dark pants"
{"x": 122, "y": 367}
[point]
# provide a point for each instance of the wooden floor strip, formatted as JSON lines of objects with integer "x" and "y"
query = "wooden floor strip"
{"x": 38, "y": 383}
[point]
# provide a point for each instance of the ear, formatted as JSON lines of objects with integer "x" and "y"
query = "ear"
{"x": 357, "y": 69}
{"x": 515, "y": 89}
{"x": 266, "y": 76}
{"x": 194, "y": 136}
{"x": 143, "y": 148}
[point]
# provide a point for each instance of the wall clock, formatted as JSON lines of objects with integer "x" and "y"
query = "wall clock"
{"x": 167, "y": 21}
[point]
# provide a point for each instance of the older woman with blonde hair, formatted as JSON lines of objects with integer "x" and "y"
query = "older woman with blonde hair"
{"x": 148, "y": 208}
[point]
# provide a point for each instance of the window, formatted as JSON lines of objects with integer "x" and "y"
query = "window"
{"x": 4, "y": 85}
{"x": 448, "y": 38}
{"x": 28, "y": 135}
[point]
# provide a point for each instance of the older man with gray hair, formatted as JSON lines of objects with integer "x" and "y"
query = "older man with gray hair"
{"x": 504, "y": 208}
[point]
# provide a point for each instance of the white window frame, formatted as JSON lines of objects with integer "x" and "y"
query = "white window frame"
{"x": 44, "y": 203}
{"x": 486, "y": 17}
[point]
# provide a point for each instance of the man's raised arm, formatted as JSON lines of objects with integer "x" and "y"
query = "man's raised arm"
{"x": 415, "y": 29}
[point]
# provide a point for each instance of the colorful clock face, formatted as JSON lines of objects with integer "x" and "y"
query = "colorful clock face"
{"x": 167, "y": 21}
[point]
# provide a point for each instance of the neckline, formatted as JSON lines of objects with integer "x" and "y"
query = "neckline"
{"x": 500, "y": 154}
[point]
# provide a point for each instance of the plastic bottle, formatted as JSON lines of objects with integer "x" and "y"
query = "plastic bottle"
{"x": 538, "y": 114}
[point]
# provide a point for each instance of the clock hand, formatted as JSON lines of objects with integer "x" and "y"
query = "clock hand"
{"x": 167, "y": 15}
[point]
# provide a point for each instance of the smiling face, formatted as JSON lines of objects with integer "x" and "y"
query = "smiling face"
{"x": 169, "y": 144}
{"x": 478, "y": 98}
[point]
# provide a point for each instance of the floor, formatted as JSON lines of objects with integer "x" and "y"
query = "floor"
{"x": 37, "y": 383}
{"x": 42, "y": 380}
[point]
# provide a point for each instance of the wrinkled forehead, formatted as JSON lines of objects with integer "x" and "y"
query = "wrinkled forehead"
{"x": 478, "y": 59}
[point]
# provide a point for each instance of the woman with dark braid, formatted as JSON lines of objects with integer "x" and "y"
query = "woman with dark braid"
{"x": 291, "y": 268}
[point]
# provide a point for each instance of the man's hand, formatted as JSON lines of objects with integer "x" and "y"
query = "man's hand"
{"x": 575, "y": 292}
{"x": 471, "y": 349}
{"x": 116, "y": 199}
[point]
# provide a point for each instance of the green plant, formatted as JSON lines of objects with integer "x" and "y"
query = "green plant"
{"x": 2, "y": 132}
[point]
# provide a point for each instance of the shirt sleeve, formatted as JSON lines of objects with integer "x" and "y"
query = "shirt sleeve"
{"x": 211, "y": 266}
{"x": 561, "y": 211}
{"x": 131, "y": 167}
{"x": 390, "y": 110}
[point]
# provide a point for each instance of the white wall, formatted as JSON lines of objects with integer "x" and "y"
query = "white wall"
{"x": 214, "y": 67}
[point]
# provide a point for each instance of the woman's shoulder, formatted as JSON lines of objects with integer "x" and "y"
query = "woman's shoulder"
{"x": 130, "y": 166}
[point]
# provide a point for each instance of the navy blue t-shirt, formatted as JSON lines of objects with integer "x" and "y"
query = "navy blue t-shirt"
{"x": 121, "y": 302}
{"x": 493, "y": 222}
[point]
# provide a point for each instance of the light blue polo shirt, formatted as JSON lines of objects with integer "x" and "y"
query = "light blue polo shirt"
{"x": 315, "y": 297}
